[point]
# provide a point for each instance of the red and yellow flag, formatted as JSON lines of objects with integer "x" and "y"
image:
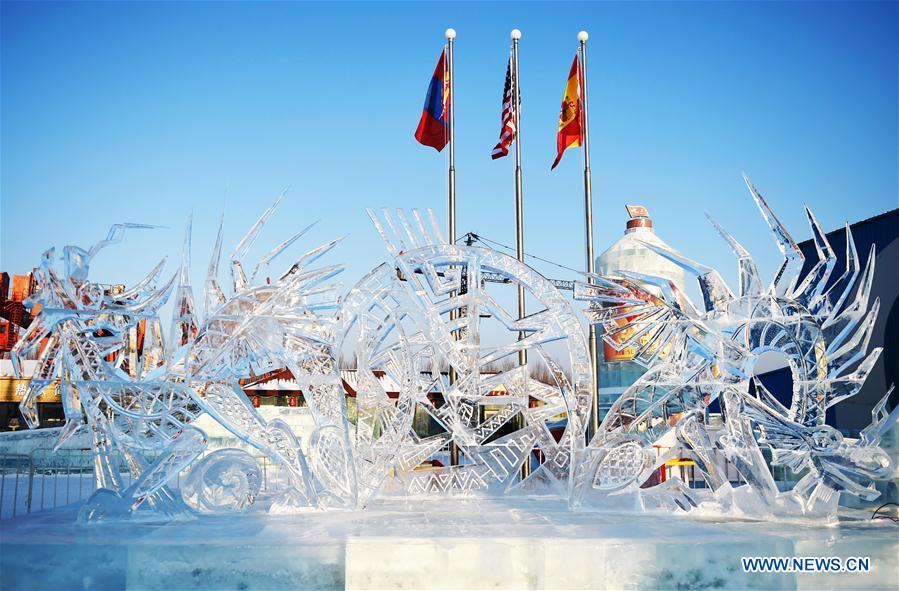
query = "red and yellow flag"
{"x": 571, "y": 113}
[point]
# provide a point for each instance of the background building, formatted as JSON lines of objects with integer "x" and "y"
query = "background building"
{"x": 14, "y": 318}
{"x": 617, "y": 371}
{"x": 12, "y": 389}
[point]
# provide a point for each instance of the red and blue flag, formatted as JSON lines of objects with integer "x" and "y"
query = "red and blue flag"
{"x": 433, "y": 128}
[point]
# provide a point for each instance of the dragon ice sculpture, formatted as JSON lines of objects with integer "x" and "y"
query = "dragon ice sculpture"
{"x": 697, "y": 356}
{"x": 139, "y": 398}
{"x": 468, "y": 415}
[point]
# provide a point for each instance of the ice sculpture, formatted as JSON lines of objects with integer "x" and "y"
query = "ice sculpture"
{"x": 470, "y": 416}
{"x": 698, "y": 355}
{"x": 420, "y": 321}
{"x": 225, "y": 480}
{"x": 139, "y": 397}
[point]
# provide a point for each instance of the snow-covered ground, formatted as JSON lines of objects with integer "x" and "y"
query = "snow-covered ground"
{"x": 446, "y": 544}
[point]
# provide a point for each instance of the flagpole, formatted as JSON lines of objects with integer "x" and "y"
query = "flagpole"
{"x": 450, "y": 38}
{"x": 519, "y": 230}
{"x": 588, "y": 222}
{"x": 519, "y": 211}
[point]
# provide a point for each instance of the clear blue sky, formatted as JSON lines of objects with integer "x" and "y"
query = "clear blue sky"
{"x": 145, "y": 112}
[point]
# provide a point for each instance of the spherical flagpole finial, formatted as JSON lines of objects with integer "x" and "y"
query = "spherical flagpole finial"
{"x": 451, "y": 34}
{"x": 516, "y": 34}
{"x": 582, "y": 36}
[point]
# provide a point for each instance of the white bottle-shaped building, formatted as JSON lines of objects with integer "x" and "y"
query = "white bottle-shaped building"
{"x": 617, "y": 371}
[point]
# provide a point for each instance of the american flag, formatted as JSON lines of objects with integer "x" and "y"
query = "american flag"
{"x": 510, "y": 118}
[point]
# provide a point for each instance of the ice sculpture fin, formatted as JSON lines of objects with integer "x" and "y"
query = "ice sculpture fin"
{"x": 438, "y": 233}
{"x": 715, "y": 292}
{"x": 750, "y": 283}
{"x": 151, "y": 304}
{"x": 115, "y": 235}
{"x": 822, "y": 245}
{"x": 842, "y": 388}
{"x": 312, "y": 256}
{"x": 184, "y": 322}
{"x": 852, "y": 312}
{"x": 185, "y": 253}
{"x": 844, "y": 353}
{"x": 71, "y": 427}
{"x": 398, "y": 236}
{"x": 812, "y": 286}
{"x": 264, "y": 261}
{"x": 238, "y": 277}
{"x": 793, "y": 257}
{"x": 881, "y": 420}
{"x": 77, "y": 260}
{"x": 674, "y": 297}
{"x": 215, "y": 297}
{"x": 252, "y": 234}
{"x": 847, "y": 281}
{"x": 145, "y": 284}
{"x": 423, "y": 229}
{"x": 407, "y": 228}
{"x": 393, "y": 250}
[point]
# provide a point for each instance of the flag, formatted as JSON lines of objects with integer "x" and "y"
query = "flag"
{"x": 509, "y": 118}
{"x": 636, "y": 211}
{"x": 433, "y": 128}
{"x": 571, "y": 113}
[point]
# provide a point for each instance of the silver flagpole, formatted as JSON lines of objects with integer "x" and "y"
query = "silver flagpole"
{"x": 519, "y": 230}
{"x": 519, "y": 209}
{"x": 450, "y": 38}
{"x": 588, "y": 222}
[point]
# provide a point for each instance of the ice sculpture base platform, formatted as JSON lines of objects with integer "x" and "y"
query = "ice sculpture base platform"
{"x": 443, "y": 544}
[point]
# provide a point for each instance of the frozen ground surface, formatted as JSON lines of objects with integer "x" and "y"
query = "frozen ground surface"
{"x": 445, "y": 544}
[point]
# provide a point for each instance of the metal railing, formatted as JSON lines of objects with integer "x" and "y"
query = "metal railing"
{"x": 11, "y": 468}
{"x": 47, "y": 479}
{"x": 44, "y": 479}
{"x": 68, "y": 473}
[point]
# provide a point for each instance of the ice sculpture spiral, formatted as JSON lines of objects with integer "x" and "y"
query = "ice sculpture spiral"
{"x": 225, "y": 480}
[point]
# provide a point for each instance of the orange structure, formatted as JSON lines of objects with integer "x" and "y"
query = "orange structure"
{"x": 14, "y": 318}
{"x": 22, "y": 287}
